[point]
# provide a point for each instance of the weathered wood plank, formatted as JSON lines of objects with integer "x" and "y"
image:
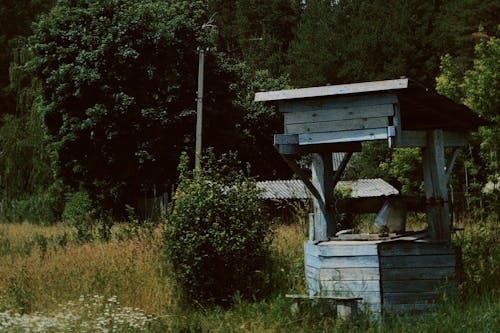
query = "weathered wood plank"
{"x": 341, "y": 89}
{"x": 415, "y": 286}
{"x": 322, "y": 178}
{"x": 405, "y": 308}
{"x": 341, "y": 262}
{"x": 405, "y": 298}
{"x": 419, "y": 139}
{"x": 344, "y": 274}
{"x": 319, "y": 112}
{"x": 413, "y": 248}
{"x": 417, "y": 261}
{"x": 340, "y": 249}
{"x": 350, "y": 286}
{"x": 333, "y": 298}
{"x": 313, "y": 286}
{"x": 343, "y": 136}
{"x": 286, "y": 139}
{"x": 418, "y": 273}
{"x": 367, "y": 296}
{"x": 338, "y": 125}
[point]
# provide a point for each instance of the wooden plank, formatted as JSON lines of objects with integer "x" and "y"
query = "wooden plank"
{"x": 413, "y": 248}
{"x": 353, "y": 286}
{"x": 335, "y": 111}
{"x": 412, "y": 307}
{"x": 333, "y": 298}
{"x": 338, "y": 125}
{"x": 372, "y": 308}
{"x": 451, "y": 165}
{"x": 340, "y": 249}
{"x": 324, "y": 215}
{"x": 418, "y": 273}
{"x": 344, "y": 274}
{"x": 417, "y": 261}
{"x": 415, "y": 286}
{"x": 342, "y": 89}
{"x": 286, "y": 139}
{"x": 367, "y": 296}
{"x": 312, "y": 284}
{"x": 341, "y": 262}
{"x": 405, "y": 298}
{"x": 343, "y": 136}
{"x": 434, "y": 161}
{"x": 418, "y": 139}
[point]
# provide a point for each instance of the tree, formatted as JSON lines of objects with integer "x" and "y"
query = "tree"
{"x": 256, "y": 32}
{"x": 119, "y": 81}
{"x": 478, "y": 88}
{"x": 312, "y": 54}
{"x": 16, "y": 17}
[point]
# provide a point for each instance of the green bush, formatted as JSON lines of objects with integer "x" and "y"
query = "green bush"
{"x": 78, "y": 213}
{"x": 43, "y": 207}
{"x": 217, "y": 240}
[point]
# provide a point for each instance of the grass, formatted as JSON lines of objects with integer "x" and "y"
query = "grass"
{"x": 121, "y": 286}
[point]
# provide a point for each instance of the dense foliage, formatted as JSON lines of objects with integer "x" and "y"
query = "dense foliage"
{"x": 115, "y": 82}
{"x": 217, "y": 239}
{"x": 119, "y": 80}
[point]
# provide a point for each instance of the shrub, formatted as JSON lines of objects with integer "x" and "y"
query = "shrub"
{"x": 217, "y": 240}
{"x": 78, "y": 213}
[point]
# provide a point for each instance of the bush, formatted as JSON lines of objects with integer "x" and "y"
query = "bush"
{"x": 41, "y": 208}
{"x": 217, "y": 240}
{"x": 78, "y": 213}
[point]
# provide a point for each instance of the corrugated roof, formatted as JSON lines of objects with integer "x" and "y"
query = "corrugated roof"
{"x": 295, "y": 189}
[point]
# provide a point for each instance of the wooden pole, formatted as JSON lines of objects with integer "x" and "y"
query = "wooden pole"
{"x": 199, "y": 109}
{"x": 324, "y": 215}
{"x": 436, "y": 190}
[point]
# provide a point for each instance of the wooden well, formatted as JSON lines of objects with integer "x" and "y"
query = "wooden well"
{"x": 406, "y": 272}
{"x": 401, "y": 274}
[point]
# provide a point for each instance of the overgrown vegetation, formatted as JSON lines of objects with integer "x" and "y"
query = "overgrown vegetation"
{"x": 217, "y": 239}
{"x": 125, "y": 279}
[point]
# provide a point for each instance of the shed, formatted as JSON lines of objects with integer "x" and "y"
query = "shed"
{"x": 404, "y": 271}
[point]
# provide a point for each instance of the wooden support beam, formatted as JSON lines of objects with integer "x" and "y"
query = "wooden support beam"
{"x": 341, "y": 169}
{"x": 322, "y": 179}
{"x": 449, "y": 169}
{"x": 436, "y": 191}
{"x": 305, "y": 178}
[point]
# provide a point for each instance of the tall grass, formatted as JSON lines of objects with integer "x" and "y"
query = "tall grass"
{"x": 130, "y": 274}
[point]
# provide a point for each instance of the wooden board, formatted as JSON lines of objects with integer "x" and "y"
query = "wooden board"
{"x": 350, "y": 286}
{"x": 343, "y": 136}
{"x": 401, "y": 248}
{"x": 422, "y": 273}
{"x": 338, "y": 125}
{"x": 341, "y": 262}
{"x": 344, "y": 274}
{"x": 417, "y": 261}
{"x": 415, "y": 286}
{"x": 340, "y": 249}
{"x": 410, "y": 297}
{"x": 405, "y": 308}
{"x": 332, "y": 111}
{"x": 341, "y": 89}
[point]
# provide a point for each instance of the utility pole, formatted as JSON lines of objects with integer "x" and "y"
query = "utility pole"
{"x": 199, "y": 108}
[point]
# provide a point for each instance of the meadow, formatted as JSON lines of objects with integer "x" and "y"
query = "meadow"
{"x": 50, "y": 282}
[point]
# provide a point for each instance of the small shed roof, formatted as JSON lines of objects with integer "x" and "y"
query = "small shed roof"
{"x": 295, "y": 189}
{"x": 421, "y": 108}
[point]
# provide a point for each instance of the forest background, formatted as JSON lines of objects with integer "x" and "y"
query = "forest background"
{"x": 97, "y": 98}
